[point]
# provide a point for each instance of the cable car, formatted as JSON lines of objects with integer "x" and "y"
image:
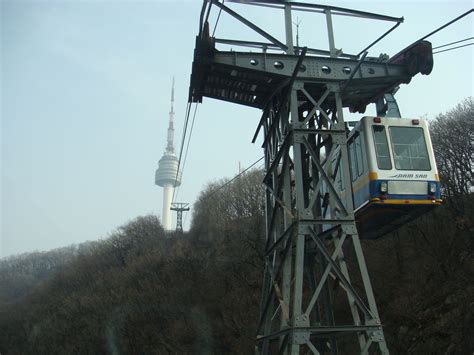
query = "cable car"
{"x": 393, "y": 172}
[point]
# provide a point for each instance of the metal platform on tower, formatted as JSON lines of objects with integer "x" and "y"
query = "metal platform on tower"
{"x": 302, "y": 92}
{"x": 252, "y": 79}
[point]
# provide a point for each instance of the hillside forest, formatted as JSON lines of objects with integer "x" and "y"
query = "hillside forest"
{"x": 142, "y": 291}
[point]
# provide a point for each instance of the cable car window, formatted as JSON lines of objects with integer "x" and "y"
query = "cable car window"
{"x": 358, "y": 149}
{"x": 381, "y": 148}
{"x": 409, "y": 148}
{"x": 364, "y": 152}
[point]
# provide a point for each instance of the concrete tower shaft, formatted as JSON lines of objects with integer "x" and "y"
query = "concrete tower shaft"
{"x": 166, "y": 215}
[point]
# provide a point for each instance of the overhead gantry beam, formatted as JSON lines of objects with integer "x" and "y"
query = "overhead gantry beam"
{"x": 249, "y": 78}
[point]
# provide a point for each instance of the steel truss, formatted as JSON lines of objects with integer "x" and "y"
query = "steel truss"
{"x": 309, "y": 224}
{"x": 179, "y": 207}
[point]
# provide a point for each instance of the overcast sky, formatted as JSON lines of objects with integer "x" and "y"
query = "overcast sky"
{"x": 85, "y": 96}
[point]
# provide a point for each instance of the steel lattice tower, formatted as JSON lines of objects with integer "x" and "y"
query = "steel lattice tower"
{"x": 302, "y": 93}
{"x": 179, "y": 208}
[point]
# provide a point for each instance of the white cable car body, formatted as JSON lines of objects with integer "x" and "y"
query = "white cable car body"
{"x": 393, "y": 171}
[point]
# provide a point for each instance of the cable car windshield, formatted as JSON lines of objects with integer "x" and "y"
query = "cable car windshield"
{"x": 409, "y": 148}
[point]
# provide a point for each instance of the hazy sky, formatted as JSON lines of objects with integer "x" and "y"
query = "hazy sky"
{"x": 85, "y": 90}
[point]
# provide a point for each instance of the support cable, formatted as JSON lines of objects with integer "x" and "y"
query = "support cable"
{"x": 449, "y": 44}
{"x": 234, "y": 178}
{"x": 433, "y": 32}
{"x": 185, "y": 127}
{"x": 238, "y": 176}
{"x": 446, "y": 25}
{"x": 186, "y": 151}
{"x": 450, "y": 49}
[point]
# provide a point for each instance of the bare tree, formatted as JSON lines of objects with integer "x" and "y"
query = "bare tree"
{"x": 222, "y": 206}
{"x": 452, "y": 134}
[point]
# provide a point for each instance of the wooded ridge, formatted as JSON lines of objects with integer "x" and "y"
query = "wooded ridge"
{"x": 141, "y": 291}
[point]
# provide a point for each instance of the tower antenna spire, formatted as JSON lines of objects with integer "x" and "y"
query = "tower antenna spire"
{"x": 172, "y": 95}
{"x": 170, "y": 145}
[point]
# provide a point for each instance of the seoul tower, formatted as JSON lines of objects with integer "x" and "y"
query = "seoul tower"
{"x": 167, "y": 175}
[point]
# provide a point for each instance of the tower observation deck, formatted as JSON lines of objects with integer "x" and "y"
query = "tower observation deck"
{"x": 167, "y": 175}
